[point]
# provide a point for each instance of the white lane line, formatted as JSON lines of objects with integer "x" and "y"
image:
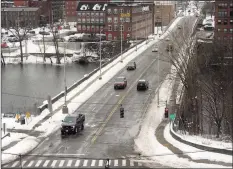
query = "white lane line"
{"x": 46, "y": 163}
{"x": 93, "y": 109}
{"x": 69, "y": 163}
{"x": 131, "y": 163}
{"x": 77, "y": 163}
{"x": 15, "y": 164}
{"x": 93, "y": 163}
{"x": 123, "y": 162}
{"x": 100, "y": 163}
{"x": 54, "y": 163}
{"x": 38, "y": 163}
{"x": 85, "y": 163}
{"x": 115, "y": 162}
{"x": 30, "y": 164}
{"x": 61, "y": 163}
{"x": 110, "y": 161}
{"x": 23, "y": 163}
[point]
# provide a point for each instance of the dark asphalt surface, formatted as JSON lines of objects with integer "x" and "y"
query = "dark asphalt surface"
{"x": 106, "y": 135}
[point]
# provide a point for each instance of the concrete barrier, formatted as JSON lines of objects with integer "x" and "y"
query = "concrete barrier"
{"x": 202, "y": 147}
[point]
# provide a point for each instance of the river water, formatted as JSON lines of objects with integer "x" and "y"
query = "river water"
{"x": 24, "y": 85}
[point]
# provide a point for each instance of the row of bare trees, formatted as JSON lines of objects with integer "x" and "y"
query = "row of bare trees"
{"x": 205, "y": 70}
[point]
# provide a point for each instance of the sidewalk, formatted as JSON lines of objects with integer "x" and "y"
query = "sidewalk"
{"x": 159, "y": 133}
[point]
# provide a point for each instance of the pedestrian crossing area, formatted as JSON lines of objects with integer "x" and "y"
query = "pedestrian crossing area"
{"x": 74, "y": 163}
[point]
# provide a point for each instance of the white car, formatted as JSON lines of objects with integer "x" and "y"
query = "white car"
{"x": 167, "y": 39}
{"x": 155, "y": 49}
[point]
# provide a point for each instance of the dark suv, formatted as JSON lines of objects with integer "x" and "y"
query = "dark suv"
{"x": 142, "y": 85}
{"x": 72, "y": 124}
{"x": 131, "y": 66}
{"x": 120, "y": 83}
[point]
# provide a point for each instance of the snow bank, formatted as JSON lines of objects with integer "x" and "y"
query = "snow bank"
{"x": 195, "y": 153}
{"x": 13, "y": 137}
{"x": 23, "y": 147}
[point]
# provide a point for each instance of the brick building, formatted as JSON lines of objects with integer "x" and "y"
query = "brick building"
{"x": 129, "y": 20}
{"x": 21, "y": 3}
{"x": 90, "y": 17}
{"x": 22, "y": 16}
{"x": 70, "y": 9}
{"x": 224, "y": 20}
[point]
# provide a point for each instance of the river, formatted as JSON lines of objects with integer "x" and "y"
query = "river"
{"x": 24, "y": 85}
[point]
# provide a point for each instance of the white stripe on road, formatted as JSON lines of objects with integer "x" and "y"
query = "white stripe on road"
{"x": 69, "y": 163}
{"x": 115, "y": 162}
{"x": 93, "y": 163}
{"x": 77, "y": 163}
{"x": 30, "y": 164}
{"x": 15, "y": 164}
{"x": 85, "y": 163}
{"x": 100, "y": 162}
{"x": 110, "y": 162}
{"x": 123, "y": 162}
{"x": 54, "y": 163}
{"x": 131, "y": 163}
{"x": 23, "y": 163}
{"x": 38, "y": 163}
{"x": 61, "y": 163}
{"x": 46, "y": 163}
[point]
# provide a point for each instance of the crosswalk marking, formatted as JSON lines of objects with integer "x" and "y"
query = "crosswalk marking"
{"x": 69, "y": 163}
{"x": 46, "y": 163}
{"x": 61, "y": 163}
{"x": 23, "y": 163}
{"x": 93, "y": 163}
{"x": 100, "y": 163}
{"x": 54, "y": 163}
{"x": 15, "y": 163}
{"x": 131, "y": 163}
{"x": 38, "y": 163}
{"x": 115, "y": 162}
{"x": 110, "y": 161}
{"x": 77, "y": 163}
{"x": 123, "y": 162}
{"x": 139, "y": 164}
{"x": 30, "y": 164}
{"x": 85, "y": 163}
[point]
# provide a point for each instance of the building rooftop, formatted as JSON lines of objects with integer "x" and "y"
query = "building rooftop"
{"x": 20, "y": 9}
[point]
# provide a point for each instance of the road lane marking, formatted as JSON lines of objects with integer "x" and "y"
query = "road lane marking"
{"x": 77, "y": 163}
{"x": 115, "y": 162}
{"x": 131, "y": 163}
{"x": 118, "y": 103}
{"x": 46, "y": 163}
{"x": 124, "y": 163}
{"x": 23, "y": 163}
{"x": 54, "y": 163}
{"x": 100, "y": 163}
{"x": 85, "y": 163}
{"x": 69, "y": 163}
{"x": 61, "y": 163}
{"x": 93, "y": 163}
{"x": 38, "y": 163}
{"x": 93, "y": 109}
{"x": 30, "y": 164}
{"x": 15, "y": 163}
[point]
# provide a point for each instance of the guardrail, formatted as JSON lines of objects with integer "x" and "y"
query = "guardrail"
{"x": 202, "y": 147}
{"x": 57, "y": 97}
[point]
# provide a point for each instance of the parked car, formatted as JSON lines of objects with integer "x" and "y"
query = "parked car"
{"x": 131, "y": 66}
{"x": 73, "y": 39}
{"x": 72, "y": 124}
{"x": 142, "y": 85}
{"x": 44, "y": 33}
{"x": 179, "y": 27}
{"x": 155, "y": 49}
{"x": 120, "y": 83}
{"x": 169, "y": 48}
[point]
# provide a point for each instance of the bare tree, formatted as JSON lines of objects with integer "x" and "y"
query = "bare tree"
{"x": 54, "y": 30}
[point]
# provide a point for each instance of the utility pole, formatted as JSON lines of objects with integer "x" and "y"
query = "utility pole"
{"x": 100, "y": 77}
{"x": 65, "y": 108}
{"x": 158, "y": 80}
{"x": 136, "y": 35}
{"x": 121, "y": 42}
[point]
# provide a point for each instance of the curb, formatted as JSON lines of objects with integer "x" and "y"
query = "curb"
{"x": 202, "y": 147}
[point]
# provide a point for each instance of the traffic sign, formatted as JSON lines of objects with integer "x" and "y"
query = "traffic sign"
{"x": 172, "y": 116}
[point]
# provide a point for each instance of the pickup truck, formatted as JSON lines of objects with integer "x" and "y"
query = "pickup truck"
{"x": 72, "y": 124}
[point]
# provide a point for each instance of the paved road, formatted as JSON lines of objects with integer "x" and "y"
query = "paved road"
{"x": 106, "y": 135}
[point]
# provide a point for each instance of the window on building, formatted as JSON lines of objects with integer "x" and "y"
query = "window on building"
{"x": 225, "y": 30}
{"x": 115, "y": 11}
{"x": 115, "y": 27}
{"x": 127, "y": 19}
{"x": 109, "y": 27}
{"x": 92, "y": 14}
{"x": 129, "y": 28}
{"x": 219, "y": 22}
{"x": 79, "y": 27}
{"x": 128, "y": 11}
{"x": 97, "y": 14}
{"x": 231, "y": 13}
{"x": 83, "y": 27}
{"x": 222, "y": 13}
{"x": 231, "y": 22}
{"x": 109, "y": 36}
{"x": 67, "y": 13}
{"x": 88, "y": 14}
{"x": 97, "y": 28}
{"x": 219, "y": 38}
{"x": 225, "y": 38}
{"x": 97, "y": 20}
{"x": 109, "y": 11}
{"x": 122, "y": 28}
{"x": 92, "y": 28}
{"x": 115, "y": 38}
{"x": 101, "y": 20}
{"x": 121, "y": 11}
{"x": 88, "y": 20}
{"x": 225, "y": 22}
{"x": 83, "y": 20}
{"x": 231, "y": 38}
{"x": 92, "y": 20}
{"x": 231, "y": 30}
{"x": 79, "y": 20}
{"x": 121, "y": 20}
{"x": 88, "y": 28}
{"x": 83, "y": 13}
{"x": 101, "y": 27}
{"x": 115, "y": 19}
{"x": 109, "y": 20}
{"x": 101, "y": 14}
{"x": 219, "y": 30}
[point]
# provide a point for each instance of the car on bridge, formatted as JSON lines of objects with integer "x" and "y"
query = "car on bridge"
{"x": 155, "y": 49}
{"x": 142, "y": 85}
{"x": 72, "y": 124}
{"x": 169, "y": 48}
{"x": 131, "y": 66}
{"x": 120, "y": 83}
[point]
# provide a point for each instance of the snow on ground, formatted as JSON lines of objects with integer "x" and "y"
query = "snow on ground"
{"x": 23, "y": 147}
{"x": 195, "y": 153}
{"x": 13, "y": 137}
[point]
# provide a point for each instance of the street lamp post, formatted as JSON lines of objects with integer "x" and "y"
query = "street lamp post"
{"x": 121, "y": 42}
{"x": 65, "y": 108}
{"x": 158, "y": 80}
{"x": 100, "y": 77}
{"x": 136, "y": 35}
